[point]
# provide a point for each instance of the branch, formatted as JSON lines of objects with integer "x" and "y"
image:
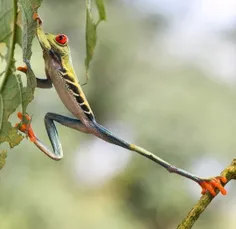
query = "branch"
{"x": 205, "y": 200}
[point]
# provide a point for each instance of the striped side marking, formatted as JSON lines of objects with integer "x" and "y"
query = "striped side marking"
{"x": 66, "y": 76}
{"x": 79, "y": 98}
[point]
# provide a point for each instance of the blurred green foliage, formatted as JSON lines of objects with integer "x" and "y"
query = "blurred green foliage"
{"x": 174, "y": 110}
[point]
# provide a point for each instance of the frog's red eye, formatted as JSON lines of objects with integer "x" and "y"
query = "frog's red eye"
{"x": 61, "y": 39}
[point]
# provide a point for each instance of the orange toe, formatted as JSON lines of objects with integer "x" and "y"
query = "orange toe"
{"x": 20, "y": 116}
{"x": 31, "y": 134}
{"x": 23, "y": 128}
{"x": 22, "y": 68}
{"x": 212, "y": 184}
{"x": 36, "y": 17}
{"x": 26, "y": 128}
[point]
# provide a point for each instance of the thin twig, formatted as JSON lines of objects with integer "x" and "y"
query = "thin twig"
{"x": 205, "y": 200}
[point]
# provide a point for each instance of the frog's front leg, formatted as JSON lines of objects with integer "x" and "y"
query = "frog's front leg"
{"x": 40, "y": 83}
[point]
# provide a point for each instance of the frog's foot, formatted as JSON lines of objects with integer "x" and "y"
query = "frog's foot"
{"x": 26, "y": 128}
{"x": 37, "y": 18}
{"x": 212, "y": 183}
{"x": 22, "y": 69}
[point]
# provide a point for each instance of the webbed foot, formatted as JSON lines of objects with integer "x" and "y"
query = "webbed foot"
{"x": 26, "y": 128}
{"x": 212, "y": 183}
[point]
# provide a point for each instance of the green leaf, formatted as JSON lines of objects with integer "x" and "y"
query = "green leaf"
{"x": 7, "y": 34}
{"x": 101, "y": 9}
{"x": 91, "y": 31}
{"x": 28, "y": 34}
{"x": 10, "y": 99}
{"x": 10, "y": 83}
{"x": 19, "y": 35}
{"x": 6, "y": 16}
{"x": 28, "y": 92}
{"x": 12, "y": 92}
{"x": 91, "y": 36}
{"x": 28, "y": 8}
{"x": 3, "y": 156}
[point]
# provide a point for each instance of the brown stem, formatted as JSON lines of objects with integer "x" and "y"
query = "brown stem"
{"x": 205, "y": 200}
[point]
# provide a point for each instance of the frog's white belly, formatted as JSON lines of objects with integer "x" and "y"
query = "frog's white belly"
{"x": 67, "y": 97}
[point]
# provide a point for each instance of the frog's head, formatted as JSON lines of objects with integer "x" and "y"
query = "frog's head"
{"x": 59, "y": 43}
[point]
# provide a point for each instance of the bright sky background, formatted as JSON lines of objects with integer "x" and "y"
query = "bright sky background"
{"x": 219, "y": 13}
{"x": 195, "y": 33}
